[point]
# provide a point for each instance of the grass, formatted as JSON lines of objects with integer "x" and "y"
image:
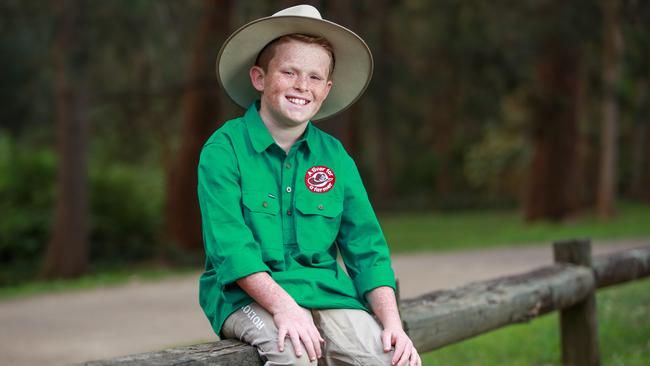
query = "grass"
{"x": 482, "y": 229}
{"x": 408, "y": 233}
{"x": 623, "y": 328}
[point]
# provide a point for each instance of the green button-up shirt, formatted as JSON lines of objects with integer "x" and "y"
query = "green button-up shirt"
{"x": 286, "y": 214}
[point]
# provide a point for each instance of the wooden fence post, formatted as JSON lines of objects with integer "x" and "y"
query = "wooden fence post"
{"x": 578, "y": 324}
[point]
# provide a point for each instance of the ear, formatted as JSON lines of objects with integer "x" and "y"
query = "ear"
{"x": 328, "y": 87}
{"x": 257, "y": 78}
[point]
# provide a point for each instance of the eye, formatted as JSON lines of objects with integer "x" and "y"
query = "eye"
{"x": 316, "y": 77}
{"x": 287, "y": 72}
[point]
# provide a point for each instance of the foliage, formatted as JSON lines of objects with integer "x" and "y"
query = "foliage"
{"x": 26, "y": 196}
{"x": 445, "y": 123}
{"x": 126, "y": 206}
{"x": 623, "y": 331}
{"x": 497, "y": 163}
{"x": 125, "y": 202}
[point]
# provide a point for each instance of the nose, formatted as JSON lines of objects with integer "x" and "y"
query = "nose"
{"x": 301, "y": 83}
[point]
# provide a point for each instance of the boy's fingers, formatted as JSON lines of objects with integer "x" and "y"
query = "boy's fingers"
{"x": 399, "y": 349}
{"x": 316, "y": 340}
{"x": 418, "y": 361}
{"x": 282, "y": 334}
{"x": 385, "y": 339}
{"x": 295, "y": 340}
{"x": 309, "y": 346}
{"x": 406, "y": 355}
{"x": 413, "y": 360}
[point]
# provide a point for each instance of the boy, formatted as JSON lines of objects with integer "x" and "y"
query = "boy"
{"x": 280, "y": 199}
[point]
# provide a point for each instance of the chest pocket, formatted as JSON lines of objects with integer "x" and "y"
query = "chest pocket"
{"x": 260, "y": 202}
{"x": 319, "y": 219}
{"x": 261, "y": 216}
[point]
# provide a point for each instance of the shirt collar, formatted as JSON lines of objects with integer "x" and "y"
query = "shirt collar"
{"x": 261, "y": 137}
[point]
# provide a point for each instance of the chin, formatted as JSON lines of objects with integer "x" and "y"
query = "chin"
{"x": 299, "y": 118}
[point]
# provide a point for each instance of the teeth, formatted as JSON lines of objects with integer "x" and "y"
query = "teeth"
{"x": 297, "y": 101}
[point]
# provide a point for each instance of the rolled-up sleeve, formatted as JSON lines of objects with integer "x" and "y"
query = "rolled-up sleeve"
{"x": 360, "y": 239}
{"x": 229, "y": 243}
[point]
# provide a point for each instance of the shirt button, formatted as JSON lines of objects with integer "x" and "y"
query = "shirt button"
{"x": 288, "y": 165}
{"x": 288, "y": 189}
{"x": 289, "y": 213}
{"x": 265, "y": 204}
{"x": 320, "y": 207}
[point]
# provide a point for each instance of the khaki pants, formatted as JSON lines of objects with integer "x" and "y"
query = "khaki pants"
{"x": 352, "y": 337}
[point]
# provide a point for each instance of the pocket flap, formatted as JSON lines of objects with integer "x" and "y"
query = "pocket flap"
{"x": 316, "y": 204}
{"x": 261, "y": 202}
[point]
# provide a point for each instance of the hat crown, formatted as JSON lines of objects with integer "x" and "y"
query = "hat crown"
{"x": 300, "y": 11}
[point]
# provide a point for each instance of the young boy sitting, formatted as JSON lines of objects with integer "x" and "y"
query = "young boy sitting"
{"x": 280, "y": 200}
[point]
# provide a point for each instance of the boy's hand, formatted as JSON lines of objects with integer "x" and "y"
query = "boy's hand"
{"x": 405, "y": 353}
{"x": 384, "y": 305}
{"x": 296, "y": 324}
{"x": 291, "y": 319}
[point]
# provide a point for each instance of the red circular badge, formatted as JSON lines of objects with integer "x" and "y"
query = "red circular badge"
{"x": 320, "y": 179}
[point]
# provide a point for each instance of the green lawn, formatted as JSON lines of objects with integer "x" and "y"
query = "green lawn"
{"x": 415, "y": 232}
{"x": 623, "y": 327}
{"x": 481, "y": 229}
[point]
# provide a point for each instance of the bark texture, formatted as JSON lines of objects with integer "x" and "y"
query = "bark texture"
{"x": 578, "y": 323}
{"x": 612, "y": 56}
{"x": 67, "y": 251}
{"x": 552, "y": 181}
{"x": 201, "y": 113}
{"x": 226, "y": 352}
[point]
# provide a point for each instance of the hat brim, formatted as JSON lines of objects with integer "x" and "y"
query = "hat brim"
{"x": 352, "y": 72}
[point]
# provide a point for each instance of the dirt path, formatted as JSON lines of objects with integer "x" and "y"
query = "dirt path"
{"x": 59, "y": 329}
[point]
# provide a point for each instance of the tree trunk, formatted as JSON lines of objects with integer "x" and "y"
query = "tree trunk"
{"x": 612, "y": 51}
{"x": 641, "y": 145}
{"x": 201, "y": 111}
{"x": 551, "y": 186}
{"x": 443, "y": 120}
{"x": 383, "y": 167}
{"x": 341, "y": 126}
{"x": 67, "y": 251}
{"x": 584, "y": 175}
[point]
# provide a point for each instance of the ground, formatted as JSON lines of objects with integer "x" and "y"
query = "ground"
{"x": 57, "y": 329}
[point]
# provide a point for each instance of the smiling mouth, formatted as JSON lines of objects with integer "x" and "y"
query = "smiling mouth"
{"x": 298, "y": 101}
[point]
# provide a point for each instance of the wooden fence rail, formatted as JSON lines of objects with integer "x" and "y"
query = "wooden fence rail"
{"x": 443, "y": 317}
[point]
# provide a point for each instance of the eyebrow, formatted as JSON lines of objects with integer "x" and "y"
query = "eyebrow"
{"x": 310, "y": 71}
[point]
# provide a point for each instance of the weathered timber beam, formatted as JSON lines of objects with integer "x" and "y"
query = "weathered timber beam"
{"x": 578, "y": 323}
{"x": 444, "y": 317}
{"x": 226, "y": 352}
{"x": 622, "y": 267}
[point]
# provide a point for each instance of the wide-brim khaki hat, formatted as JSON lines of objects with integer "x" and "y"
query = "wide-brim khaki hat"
{"x": 352, "y": 71}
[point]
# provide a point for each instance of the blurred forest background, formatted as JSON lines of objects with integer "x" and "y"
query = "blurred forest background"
{"x": 538, "y": 105}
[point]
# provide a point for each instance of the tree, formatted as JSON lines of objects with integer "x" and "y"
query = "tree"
{"x": 383, "y": 170}
{"x": 552, "y": 181}
{"x": 201, "y": 111}
{"x": 67, "y": 253}
{"x": 612, "y": 54}
{"x": 343, "y": 126}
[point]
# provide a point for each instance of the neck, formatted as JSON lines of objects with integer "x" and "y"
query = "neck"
{"x": 284, "y": 136}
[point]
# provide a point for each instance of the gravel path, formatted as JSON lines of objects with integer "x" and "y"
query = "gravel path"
{"x": 58, "y": 329}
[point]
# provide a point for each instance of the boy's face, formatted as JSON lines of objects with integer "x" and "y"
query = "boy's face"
{"x": 295, "y": 83}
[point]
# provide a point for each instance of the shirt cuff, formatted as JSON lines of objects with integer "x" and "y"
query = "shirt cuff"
{"x": 373, "y": 277}
{"x": 236, "y": 267}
